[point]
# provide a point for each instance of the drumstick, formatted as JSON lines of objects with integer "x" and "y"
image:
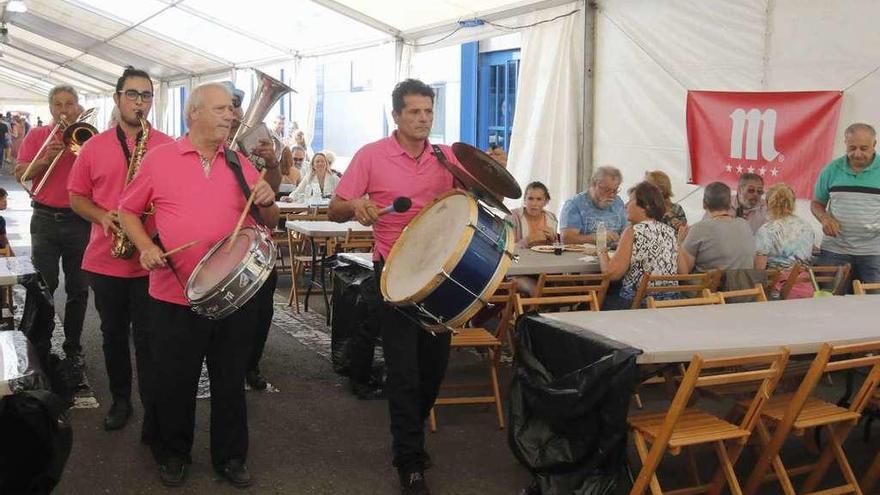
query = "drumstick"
{"x": 244, "y": 213}
{"x": 179, "y": 248}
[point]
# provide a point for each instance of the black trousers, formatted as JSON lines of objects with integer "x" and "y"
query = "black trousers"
{"x": 264, "y": 300}
{"x": 123, "y": 305}
{"x": 416, "y": 361}
{"x": 179, "y": 341}
{"x": 61, "y": 235}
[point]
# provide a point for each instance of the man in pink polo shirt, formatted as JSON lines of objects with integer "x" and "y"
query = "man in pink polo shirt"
{"x": 120, "y": 285}
{"x": 197, "y": 197}
{"x": 56, "y": 231}
{"x": 401, "y": 165}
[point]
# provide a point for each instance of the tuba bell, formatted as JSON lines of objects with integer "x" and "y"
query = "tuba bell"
{"x": 251, "y": 127}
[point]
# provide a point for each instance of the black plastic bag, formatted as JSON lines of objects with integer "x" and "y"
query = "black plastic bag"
{"x": 36, "y": 442}
{"x": 568, "y": 406}
{"x": 351, "y": 313}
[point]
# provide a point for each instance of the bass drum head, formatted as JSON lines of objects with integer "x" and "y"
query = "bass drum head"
{"x": 426, "y": 245}
{"x": 219, "y": 264}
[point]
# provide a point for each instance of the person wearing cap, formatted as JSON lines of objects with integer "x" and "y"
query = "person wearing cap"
{"x": 265, "y": 307}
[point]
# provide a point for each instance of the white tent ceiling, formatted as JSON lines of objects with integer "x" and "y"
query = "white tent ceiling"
{"x": 86, "y": 43}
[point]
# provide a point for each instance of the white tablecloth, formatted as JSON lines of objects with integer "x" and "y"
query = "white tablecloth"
{"x": 325, "y": 228}
{"x": 676, "y": 334}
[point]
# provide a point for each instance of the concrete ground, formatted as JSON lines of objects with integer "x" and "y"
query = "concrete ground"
{"x": 312, "y": 436}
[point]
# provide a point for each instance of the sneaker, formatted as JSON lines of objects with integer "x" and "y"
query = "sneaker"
{"x": 172, "y": 472}
{"x": 255, "y": 380}
{"x": 236, "y": 473}
{"x": 118, "y": 416}
{"x": 414, "y": 484}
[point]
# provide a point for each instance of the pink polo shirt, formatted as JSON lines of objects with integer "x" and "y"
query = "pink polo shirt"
{"x": 383, "y": 170}
{"x": 189, "y": 207}
{"x": 99, "y": 175}
{"x": 54, "y": 192}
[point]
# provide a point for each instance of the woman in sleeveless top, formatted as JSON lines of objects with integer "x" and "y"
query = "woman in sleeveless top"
{"x": 532, "y": 224}
{"x": 647, "y": 246}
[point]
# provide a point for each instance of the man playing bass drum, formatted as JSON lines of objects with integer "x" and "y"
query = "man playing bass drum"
{"x": 401, "y": 165}
{"x": 96, "y": 182}
{"x": 194, "y": 187}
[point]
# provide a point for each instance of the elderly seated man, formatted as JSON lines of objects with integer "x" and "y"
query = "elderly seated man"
{"x": 720, "y": 240}
{"x": 599, "y": 203}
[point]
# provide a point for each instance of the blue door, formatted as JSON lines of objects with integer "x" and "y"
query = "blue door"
{"x": 496, "y": 97}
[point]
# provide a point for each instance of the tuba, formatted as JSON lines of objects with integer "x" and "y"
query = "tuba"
{"x": 251, "y": 127}
{"x": 122, "y": 247}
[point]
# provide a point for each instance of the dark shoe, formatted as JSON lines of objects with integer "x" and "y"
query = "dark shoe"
{"x": 172, "y": 472}
{"x": 255, "y": 380}
{"x": 414, "y": 484}
{"x": 118, "y": 415}
{"x": 236, "y": 473}
{"x": 367, "y": 391}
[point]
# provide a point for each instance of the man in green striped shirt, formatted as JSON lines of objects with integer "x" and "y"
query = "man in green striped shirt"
{"x": 846, "y": 200}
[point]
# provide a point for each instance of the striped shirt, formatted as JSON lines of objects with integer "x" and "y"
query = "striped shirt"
{"x": 854, "y": 200}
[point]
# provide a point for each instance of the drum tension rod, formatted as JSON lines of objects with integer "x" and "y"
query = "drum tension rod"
{"x": 498, "y": 241}
{"x": 456, "y": 282}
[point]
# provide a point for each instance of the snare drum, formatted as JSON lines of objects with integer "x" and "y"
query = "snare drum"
{"x": 224, "y": 280}
{"x": 448, "y": 261}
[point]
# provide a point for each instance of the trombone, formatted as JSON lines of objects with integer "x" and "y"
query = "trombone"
{"x": 74, "y": 136}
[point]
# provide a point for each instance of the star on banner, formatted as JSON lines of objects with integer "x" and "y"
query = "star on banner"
{"x": 728, "y": 168}
{"x": 762, "y": 171}
{"x": 774, "y": 172}
{"x": 739, "y": 169}
{"x": 751, "y": 170}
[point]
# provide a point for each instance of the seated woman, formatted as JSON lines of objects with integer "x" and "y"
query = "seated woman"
{"x": 532, "y": 224}
{"x": 647, "y": 246}
{"x": 289, "y": 173}
{"x": 718, "y": 241}
{"x": 674, "y": 215}
{"x": 784, "y": 240}
{"x": 319, "y": 182}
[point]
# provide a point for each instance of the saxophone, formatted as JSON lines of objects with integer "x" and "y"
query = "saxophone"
{"x": 122, "y": 246}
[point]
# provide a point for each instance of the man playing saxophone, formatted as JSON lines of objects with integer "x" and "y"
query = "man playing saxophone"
{"x": 104, "y": 167}
{"x": 56, "y": 231}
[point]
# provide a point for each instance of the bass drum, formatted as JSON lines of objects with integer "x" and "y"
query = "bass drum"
{"x": 447, "y": 262}
{"x": 226, "y": 279}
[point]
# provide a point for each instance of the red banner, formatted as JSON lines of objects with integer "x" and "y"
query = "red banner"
{"x": 784, "y": 137}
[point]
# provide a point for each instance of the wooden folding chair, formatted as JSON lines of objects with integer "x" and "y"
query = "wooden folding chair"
{"x": 756, "y": 293}
{"x": 559, "y": 285}
{"x": 861, "y": 289}
{"x": 664, "y": 284}
{"x": 481, "y": 339}
{"x": 833, "y": 278}
{"x": 300, "y": 257}
{"x": 706, "y": 298}
{"x": 6, "y": 293}
{"x": 356, "y": 242}
{"x": 685, "y": 427}
{"x": 523, "y": 304}
{"x": 796, "y": 413}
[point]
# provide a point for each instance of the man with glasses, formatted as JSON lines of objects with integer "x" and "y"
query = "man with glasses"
{"x": 599, "y": 203}
{"x": 749, "y": 201}
{"x": 56, "y": 231}
{"x": 120, "y": 285}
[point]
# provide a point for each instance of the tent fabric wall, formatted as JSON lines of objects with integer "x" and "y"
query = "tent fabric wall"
{"x": 649, "y": 54}
{"x": 547, "y": 126}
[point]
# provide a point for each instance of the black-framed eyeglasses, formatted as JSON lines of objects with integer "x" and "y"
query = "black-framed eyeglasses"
{"x": 132, "y": 95}
{"x": 299, "y": 159}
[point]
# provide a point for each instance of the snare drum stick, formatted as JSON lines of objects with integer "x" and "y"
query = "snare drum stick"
{"x": 247, "y": 208}
{"x": 179, "y": 248}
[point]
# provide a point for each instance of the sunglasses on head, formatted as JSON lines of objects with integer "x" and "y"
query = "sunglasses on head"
{"x": 236, "y": 102}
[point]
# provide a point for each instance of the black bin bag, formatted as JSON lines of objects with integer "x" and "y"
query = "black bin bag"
{"x": 568, "y": 406}
{"x": 352, "y": 328}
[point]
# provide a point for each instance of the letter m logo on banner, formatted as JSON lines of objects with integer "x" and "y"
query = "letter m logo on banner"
{"x": 785, "y": 137}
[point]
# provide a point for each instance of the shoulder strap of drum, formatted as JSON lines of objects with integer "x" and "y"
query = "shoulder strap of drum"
{"x": 235, "y": 165}
{"x": 438, "y": 152}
